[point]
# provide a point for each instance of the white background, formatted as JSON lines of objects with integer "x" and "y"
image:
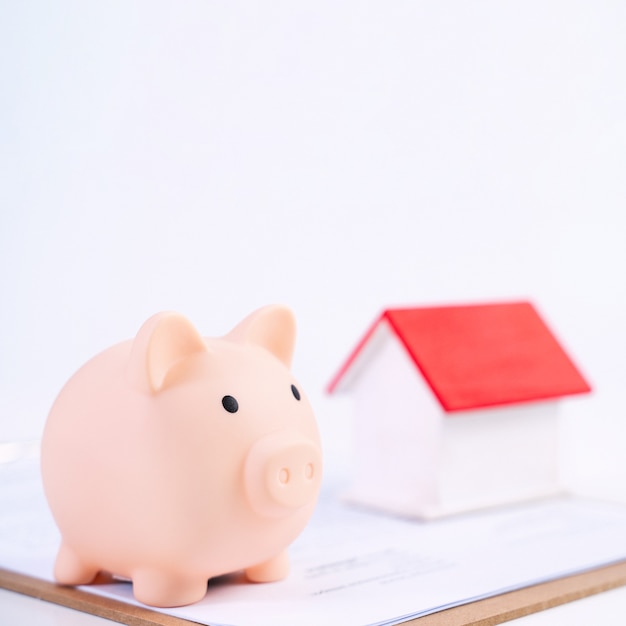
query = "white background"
{"x": 212, "y": 157}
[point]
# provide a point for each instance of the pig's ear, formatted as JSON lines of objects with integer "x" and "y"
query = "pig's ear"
{"x": 163, "y": 341}
{"x": 273, "y": 328}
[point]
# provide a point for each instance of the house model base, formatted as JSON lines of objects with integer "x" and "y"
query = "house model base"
{"x": 427, "y": 440}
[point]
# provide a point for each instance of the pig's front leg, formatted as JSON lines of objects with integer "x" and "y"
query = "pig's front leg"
{"x": 167, "y": 589}
{"x": 271, "y": 570}
{"x": 70, "y": 569}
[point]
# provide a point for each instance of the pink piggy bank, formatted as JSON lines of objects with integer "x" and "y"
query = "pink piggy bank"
{"x": 170, "y": 459}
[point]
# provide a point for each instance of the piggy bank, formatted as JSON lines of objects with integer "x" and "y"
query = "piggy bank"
{"x": 172, "y": 458}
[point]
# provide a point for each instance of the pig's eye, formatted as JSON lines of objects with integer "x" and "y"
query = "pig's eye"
{"x": 230, "y": 404}
{"x": 295, "y": 392}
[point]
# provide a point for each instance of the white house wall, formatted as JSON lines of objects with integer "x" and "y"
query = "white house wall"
{"x": 500, "y": 455}
{"x": 413, "y": 458}
{"x": 397, "y": 430}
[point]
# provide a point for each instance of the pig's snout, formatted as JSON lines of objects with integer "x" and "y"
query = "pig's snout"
{"x": 283, "y": 472}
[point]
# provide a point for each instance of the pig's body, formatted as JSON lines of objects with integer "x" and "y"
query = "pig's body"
{"x": 151, "y": 475}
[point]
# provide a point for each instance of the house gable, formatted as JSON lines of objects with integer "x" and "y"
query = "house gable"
{"x": 396, "y": 453}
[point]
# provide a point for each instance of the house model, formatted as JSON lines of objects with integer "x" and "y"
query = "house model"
{"x": 456, "y": 408}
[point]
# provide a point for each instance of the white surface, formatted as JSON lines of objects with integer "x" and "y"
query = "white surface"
{"x": 606, "y": 608}
{"x": 350, "y": 567}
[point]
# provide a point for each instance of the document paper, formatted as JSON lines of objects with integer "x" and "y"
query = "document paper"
{"x": 351, "y": 567}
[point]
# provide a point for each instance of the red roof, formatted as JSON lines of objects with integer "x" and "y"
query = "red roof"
{"x": 481, "y": 355}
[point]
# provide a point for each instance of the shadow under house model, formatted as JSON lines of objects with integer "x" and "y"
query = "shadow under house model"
{"x": 456, "y": 408}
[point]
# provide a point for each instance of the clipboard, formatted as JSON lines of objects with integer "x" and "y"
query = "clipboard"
{"x": 487, "y": 612}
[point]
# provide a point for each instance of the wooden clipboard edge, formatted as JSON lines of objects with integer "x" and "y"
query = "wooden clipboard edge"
{"x": 514, "y": 604}
{"x": 487, "y": 612}
{"x": 86, "y": 602}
